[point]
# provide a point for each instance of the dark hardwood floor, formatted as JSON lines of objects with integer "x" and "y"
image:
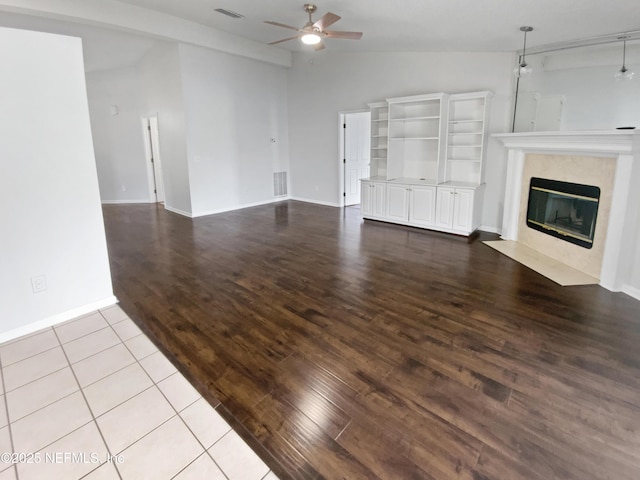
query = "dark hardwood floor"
{"x": 349, "y": 349}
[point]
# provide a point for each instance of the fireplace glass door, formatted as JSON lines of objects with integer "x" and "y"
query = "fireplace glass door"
{"x": 564, "y": 210}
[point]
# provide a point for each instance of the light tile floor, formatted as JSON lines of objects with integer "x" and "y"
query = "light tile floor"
{"x": 93, "y": 398}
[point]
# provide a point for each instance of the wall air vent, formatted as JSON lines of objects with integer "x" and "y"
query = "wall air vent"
{"x": 279, "y": 184}
{"x": 229, "y": 13}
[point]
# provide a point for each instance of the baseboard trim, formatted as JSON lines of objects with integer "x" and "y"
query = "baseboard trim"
{"x": 317, "y": 202}
{"x": 120, "y": 202}
{"x": 631, "y": 291}
{"x": 485, "y": 228}
{"x": 178, "y": 211}
{"x": 56, "y": 319}
{"x": 240, "y": 207}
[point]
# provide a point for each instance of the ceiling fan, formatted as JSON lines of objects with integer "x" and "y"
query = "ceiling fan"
{"x": 313, "y": 32}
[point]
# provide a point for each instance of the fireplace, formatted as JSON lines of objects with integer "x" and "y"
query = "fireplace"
{"x": 563, "y": 210}
{"x": 607, "y": 159}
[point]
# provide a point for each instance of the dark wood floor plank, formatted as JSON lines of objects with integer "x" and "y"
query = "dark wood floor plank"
{"x": 492, "y": 465}
{"x": 349, "y": 349}
{"x": 308, "y": 438}
{"x": 561, "y": 425}
{"x": 382, "y": 449}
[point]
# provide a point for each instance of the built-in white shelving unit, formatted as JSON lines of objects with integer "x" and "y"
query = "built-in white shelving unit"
{"x": 467, "y": 137}
{"x": 427, "y": 161}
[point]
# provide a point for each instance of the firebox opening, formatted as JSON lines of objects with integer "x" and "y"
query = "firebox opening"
{"x": 563, "y": 210}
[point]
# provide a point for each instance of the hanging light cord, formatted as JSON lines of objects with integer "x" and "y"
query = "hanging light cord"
{"x": 524, "y": 49}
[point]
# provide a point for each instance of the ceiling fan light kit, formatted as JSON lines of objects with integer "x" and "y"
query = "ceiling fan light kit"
{"x": 314, "y": 32}
{"x": 310, "y": 38}
{"x": 523, "y": 69}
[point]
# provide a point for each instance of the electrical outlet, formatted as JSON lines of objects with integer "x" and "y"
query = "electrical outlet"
{"x": 39, "y": 283}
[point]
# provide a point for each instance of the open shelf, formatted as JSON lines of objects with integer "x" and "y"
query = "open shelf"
{"x": 409, "y": 119}
{"x": 415, "y": 138}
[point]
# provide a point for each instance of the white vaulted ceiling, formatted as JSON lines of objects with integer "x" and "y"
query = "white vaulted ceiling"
{"x": 400, "y": 26}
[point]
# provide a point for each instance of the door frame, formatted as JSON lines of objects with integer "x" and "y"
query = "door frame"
{"x": 341, "y": 153}
{"x": 152, "y": 135}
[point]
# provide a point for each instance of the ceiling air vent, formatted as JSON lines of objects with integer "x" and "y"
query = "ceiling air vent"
{"x": 229, "y": 13}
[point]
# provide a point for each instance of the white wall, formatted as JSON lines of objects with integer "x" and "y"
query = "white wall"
{"x": 323, "y": 83}
{"x": 234, "y": 106}
{"x": 594, "y": 100}
{"x": 118, "y": 139}
{"x": 49, "y": 200}
{"x": 161, "y": 81}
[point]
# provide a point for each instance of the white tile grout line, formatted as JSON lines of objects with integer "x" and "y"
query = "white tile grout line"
{"x": 90, "y": 411}
{"x": 30, "y": 356}
{"x": 35, "y": 379}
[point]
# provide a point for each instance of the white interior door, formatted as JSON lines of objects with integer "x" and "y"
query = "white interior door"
{"x": 152, "y": 146}
{"x": 357, "y": 138}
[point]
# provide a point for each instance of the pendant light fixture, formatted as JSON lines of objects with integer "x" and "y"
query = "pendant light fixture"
{"x": 522, "y": 69}
{"x": 623, "y": 73}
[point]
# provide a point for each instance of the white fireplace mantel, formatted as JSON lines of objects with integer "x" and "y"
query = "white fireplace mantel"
{"x": 623, "y": 146}
{"x": 617, "y": 142}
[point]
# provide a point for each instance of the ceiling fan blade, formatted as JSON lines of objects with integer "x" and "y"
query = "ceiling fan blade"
{"x": 318, "y": 46}
{"x": 345, "y": 35}
{"x": 284, "y": 40}
{"x": 281, "y": 25}
{"x": 326, "y": 20}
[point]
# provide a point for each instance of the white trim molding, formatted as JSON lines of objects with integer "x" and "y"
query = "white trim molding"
{"x": 238, "y": 207}
{"x": 606, "y": 142}
{"x": 123, "y": 202}
{"x": 317, "y": 202}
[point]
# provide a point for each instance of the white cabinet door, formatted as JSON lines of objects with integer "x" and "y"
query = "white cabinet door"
{"x": 366, "y": 198}
{"x": 398, "y": 202}
{"x": 454, "y": 209}
{"x": 378, "y": 204}
{"x": 444, "y": 207}
{"x": 462, "y": 210}
{"x": 372, "y": 196}
{"x": 422, "y": 206}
